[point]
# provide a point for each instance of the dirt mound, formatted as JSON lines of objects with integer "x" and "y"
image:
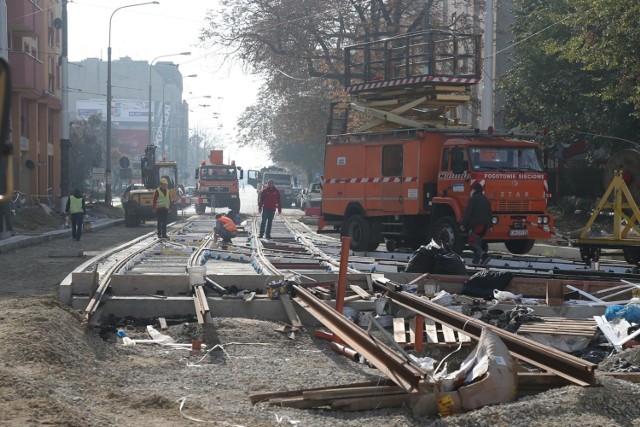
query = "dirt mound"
{"x": 41, "y": 219}
{"x": 36, "y": 218}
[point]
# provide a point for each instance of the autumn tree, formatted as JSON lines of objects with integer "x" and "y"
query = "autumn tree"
{"x": 298, "y": 47}
{"x": 575, "y": 70}
{"x": 87, "y": 149}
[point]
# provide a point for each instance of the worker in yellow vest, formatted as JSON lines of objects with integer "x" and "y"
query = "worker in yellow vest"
{"x": 162, "y": 206}
{"x": 76, "y": 208}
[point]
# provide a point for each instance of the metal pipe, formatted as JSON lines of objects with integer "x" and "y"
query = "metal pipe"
{"x": 346, "y": 351}
{"x": 342, "y": 273}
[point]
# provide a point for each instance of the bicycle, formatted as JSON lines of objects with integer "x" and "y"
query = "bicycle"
{"x": 18, "y": 201}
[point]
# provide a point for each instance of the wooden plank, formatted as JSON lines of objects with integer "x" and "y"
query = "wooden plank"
{"x": 430, "y": 330}
{"x": 371, "y": 402}
{"x": 298, "y": 402}
{"x": 291, "y": 311}
{"x": 463, "y": 338}
{"x": 412, "y": 330}
{"x": 163, "y": 323}
{"x": 262, "y": 397}
{"x": 449, "y": 336}
{"x": 358, "y": 290}
{"x": 348, "y": 392}
{"x": 399, "y": 331}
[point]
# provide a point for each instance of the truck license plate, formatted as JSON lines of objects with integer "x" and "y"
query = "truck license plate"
{"x": 518, "y": 233}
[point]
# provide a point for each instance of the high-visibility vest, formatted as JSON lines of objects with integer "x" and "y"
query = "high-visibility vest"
{"x": 75, "y": 204}
{"x": 228, "y": 224}
{"x": 163, "y": 200}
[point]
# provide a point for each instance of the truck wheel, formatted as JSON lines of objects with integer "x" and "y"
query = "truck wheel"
{"x": 391, "y": 245}
{"x": 200, "y": 209}
{"x": 357, "y": 228}
{"x": 131, "y": 221}
{"x": 519, "y": 247}
{"x": 446, "y": 232}
{"x": 632, "y": 255}
{"x": 589, "y": 253}
{"x": 235, "y": 206}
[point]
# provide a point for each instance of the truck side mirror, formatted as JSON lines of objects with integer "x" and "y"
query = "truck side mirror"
{"x": 197, "y": 174}
{"x": 241, "y": 174}
{"x": 6, "y": 161}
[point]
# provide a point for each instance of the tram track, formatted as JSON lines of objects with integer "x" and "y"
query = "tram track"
{"x": 294, "y": 250}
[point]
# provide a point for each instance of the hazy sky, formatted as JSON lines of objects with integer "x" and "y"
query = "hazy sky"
{"x": 148, "y": 31}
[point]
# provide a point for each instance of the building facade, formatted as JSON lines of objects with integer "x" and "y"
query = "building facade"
{"x": 131, "y": 83}
{"x": 35, "y": 48}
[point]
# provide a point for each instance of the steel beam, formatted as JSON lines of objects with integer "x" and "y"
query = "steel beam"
{"x": 572, "y": 368}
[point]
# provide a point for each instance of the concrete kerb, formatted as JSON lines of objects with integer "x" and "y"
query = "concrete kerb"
{"x": 23, "y": 241}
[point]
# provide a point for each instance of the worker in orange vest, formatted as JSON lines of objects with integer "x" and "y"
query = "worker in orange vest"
{"x": 225, "y": 228}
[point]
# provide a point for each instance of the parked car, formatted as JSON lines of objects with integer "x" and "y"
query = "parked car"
{"x": 311, "y": 197}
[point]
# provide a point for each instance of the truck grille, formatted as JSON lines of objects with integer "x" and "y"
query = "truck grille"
{"x": 513, "y": 205}
{"x": 218, "y": 189}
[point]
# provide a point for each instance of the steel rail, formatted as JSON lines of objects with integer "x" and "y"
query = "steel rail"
{"x": 398, "y": 369}
{"x": 105, "y": 281}
{"x": 572, "y": 368}
{"x": 311, "y": 247}
{"x": 259, "y": 254}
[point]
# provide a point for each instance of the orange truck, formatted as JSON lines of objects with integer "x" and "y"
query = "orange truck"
{"x": 408, "y": 187}
{"x": 402, "y": 172}
{"x": 217, "y": 184}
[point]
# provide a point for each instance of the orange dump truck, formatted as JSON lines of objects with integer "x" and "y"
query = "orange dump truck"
{"x": 217, "y": 184}
{"x": 400, "y": 161}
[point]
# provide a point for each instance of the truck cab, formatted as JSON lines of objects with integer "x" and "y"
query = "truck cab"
{"x": 282, "y": 180}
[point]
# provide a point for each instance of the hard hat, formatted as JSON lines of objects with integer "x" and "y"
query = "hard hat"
{"x": 164, "y": 181}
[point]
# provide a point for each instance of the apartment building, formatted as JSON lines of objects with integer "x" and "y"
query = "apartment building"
{"x": 35, "y": 46}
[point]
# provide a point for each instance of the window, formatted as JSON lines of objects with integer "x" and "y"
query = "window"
{"x": 392, "y": 160}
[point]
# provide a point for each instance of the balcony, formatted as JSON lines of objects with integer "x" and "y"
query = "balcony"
{"x": 26, "y": 71}
{"x": 25, "y": 17}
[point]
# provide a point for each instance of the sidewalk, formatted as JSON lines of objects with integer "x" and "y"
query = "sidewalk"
{"x": 22, "y": 241}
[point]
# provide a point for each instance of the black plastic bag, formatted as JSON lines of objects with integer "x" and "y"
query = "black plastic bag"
{"x": 482, "y": 284}
{"x": 422, "y": 259}
{"x": 449, "y": 263}
{"x": 435, "y": 259}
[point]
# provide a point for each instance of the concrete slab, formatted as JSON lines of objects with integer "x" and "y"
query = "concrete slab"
{"x": 150, "y": 284}
{"x": 66, "y": 253}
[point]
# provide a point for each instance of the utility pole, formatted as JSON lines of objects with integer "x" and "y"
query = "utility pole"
{"x": 487, "y": 65}
{"x": 65, "y": 142}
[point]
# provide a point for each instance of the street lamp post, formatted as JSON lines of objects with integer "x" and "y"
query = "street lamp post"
{"x": 150, "y": 130}
{"x": 107, "y": 192}
{"x": 162, "y": 110}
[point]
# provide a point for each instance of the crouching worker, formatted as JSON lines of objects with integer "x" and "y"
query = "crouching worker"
{"x": 225, "y": 228}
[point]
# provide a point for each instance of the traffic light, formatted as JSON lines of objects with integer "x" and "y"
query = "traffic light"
{"x": 6, "y": 172}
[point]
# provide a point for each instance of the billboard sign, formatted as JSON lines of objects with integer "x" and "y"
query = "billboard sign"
{"x": 122, "y": 110}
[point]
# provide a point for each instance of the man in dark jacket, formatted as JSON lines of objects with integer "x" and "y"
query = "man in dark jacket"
{"x": 76, "y": 208}
{"x": 476, "y": 220}
{"x": 268, "y": 202}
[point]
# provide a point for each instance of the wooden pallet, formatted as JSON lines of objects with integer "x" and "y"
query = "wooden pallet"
{"x": 561, "y": 326}
{"x": 434, "y": 334}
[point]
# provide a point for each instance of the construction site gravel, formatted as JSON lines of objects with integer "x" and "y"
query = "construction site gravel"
{"x": 55, "y": 371}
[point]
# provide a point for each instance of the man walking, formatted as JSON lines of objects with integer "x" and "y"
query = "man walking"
{"x": 162, "y": 206}
{"x": 476, "y": 220}
{"x": 76, "y": 208}
{"x": 268, "y": 202}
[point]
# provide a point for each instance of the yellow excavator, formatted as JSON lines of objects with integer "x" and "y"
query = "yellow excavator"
{"x": 138, "y": 201}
